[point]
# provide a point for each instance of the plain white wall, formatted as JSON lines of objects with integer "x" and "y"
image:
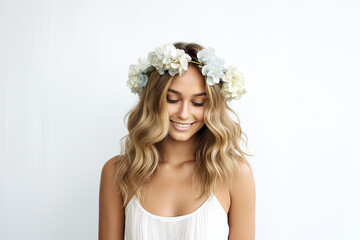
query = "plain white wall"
{"x": 63, "y": 98}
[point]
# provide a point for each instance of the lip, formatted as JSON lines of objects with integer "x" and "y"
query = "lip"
{"x": 180, "y": 128}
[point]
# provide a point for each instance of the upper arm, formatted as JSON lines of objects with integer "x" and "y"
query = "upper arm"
{"x": 242, "y": 208}
{"x": 111, "y": 212}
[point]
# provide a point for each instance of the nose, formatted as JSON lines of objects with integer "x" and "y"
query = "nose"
{"x": 184, "y": 112}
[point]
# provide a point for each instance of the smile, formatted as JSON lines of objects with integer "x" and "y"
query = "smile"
{"x": 181, "y": 126}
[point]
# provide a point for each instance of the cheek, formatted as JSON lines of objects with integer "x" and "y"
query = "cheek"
{"x": 171, "y": 109}
{"x": 200, "y": 114}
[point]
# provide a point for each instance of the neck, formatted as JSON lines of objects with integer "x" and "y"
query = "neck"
{"x": 176, "y": 153}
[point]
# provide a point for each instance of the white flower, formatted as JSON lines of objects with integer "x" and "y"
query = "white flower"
{"x": 137, "y": 78}
{"x": 213, "y": 67}
{"x": 206, "y": 54}
{"x": 233, "y": 84}
{"x": 213, "y": 70}
{"x": 167, "y": 57}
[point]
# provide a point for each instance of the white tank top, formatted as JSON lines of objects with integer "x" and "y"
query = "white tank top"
{"x": 209, "y": 222}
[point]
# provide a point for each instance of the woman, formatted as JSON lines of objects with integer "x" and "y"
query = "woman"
{"x": 182, "y": 174}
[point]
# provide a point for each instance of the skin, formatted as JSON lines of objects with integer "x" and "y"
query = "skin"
{"x": 171, "y": 192}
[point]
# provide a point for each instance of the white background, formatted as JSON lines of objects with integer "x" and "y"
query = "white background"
{"x": 63, "y": 98}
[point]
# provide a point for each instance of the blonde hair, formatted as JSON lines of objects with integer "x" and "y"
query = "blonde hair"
{"x": 217, "y": 154}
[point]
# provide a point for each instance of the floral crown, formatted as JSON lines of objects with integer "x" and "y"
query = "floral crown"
{"x": 168, "y": 58}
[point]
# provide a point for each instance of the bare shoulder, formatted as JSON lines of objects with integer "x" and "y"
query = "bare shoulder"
{"x": 242, "y": 208}
{"x": 111, "y": 212}
{"x": 244, "y": 176}
{"x": 108, "y": 174}
{"x": 111, "y": 163}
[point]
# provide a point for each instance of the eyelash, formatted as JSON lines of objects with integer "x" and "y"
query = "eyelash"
{"x": 196, "y": 104}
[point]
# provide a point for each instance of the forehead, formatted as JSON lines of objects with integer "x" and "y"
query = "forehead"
{"x": 189, "y": 83}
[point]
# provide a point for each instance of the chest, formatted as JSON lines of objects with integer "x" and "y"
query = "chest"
{"x": 177, "y": 192}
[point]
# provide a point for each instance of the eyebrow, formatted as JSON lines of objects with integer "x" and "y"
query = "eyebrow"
{"x": 195, "y": 95}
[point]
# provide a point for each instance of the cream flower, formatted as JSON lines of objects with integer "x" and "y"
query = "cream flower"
{"x": 233, "y": 84}
{"x": 169, "y": 58}
{"x": 137, "y": 78}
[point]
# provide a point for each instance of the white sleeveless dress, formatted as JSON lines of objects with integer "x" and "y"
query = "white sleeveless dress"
{"x": 208, "y": 222}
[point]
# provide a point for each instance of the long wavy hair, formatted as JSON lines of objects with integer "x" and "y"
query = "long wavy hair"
{"x": 216, "y": 155}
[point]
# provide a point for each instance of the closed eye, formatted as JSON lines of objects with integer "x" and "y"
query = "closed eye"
{"x": 195, "y": 104}
{"x": 198, "y": 104}
{"x": 172, "y": 101}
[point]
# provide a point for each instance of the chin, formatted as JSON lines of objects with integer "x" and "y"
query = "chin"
{"x": 179, "y": 138}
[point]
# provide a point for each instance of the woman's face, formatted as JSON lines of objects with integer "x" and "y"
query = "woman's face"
{"x": 186, "y": 104}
